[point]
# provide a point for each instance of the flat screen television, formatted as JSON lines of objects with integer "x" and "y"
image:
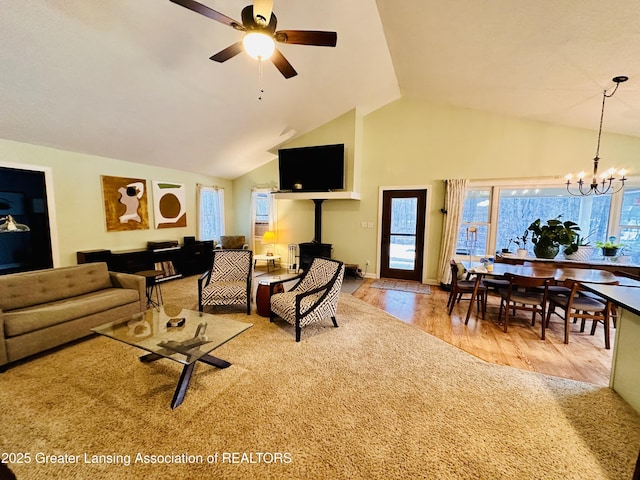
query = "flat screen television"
{"x": 312, "y": 169}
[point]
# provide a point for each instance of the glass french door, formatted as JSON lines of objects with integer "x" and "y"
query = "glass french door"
{"x": 402, "y": 243}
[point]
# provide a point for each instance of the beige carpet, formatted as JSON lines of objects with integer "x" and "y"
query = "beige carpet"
{"x": 372, "y": 399}
{"x": 402, "y": 285}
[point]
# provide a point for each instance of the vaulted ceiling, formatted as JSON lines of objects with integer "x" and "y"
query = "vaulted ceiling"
{"x": 132, "y": 79}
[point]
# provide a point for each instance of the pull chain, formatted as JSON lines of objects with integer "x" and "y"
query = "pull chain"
{"x": 260, "y": 90}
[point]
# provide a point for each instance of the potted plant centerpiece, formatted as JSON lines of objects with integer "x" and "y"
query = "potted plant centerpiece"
{"x": 610, "y": 247}
{"x": 547, "y": 238}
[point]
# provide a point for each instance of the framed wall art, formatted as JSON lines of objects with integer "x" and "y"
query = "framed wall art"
{"x": 125, "y": 203}
{"x": 169, "y": 205}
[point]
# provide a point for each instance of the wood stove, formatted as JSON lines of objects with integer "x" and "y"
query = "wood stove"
{"x": 311, "y": 250}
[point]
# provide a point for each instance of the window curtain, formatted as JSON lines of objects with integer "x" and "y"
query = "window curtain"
{"x": 210, "y": 213}
{"x": 453, "y": 203}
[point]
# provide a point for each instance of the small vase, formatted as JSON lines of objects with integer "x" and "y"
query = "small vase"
{"x": 609, "y": 252}
{"x": 522, "y": 253}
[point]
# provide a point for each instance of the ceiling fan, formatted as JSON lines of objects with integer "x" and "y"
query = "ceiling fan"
{"x": 259, "y": 25}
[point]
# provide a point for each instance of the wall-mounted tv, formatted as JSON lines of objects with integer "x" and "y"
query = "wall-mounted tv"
{"x": 312, "y": 169}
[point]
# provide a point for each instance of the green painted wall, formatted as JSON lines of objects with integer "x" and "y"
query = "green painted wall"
{"x": 409, "y": 143}
{"x": 405, "y": 143}
{"x": 295, "y": 222}
{"x": 78, "y": 197}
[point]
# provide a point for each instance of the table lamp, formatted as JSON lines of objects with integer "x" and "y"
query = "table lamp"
{"x": 269, "y": 238}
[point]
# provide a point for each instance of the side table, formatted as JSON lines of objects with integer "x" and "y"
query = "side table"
{"x": 268, "y": 286}
{"x": 270, "y": 259}
{"x": 151, "y": 279}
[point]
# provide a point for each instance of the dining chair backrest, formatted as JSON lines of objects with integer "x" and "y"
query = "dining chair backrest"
{"x": 576, "y": 286}
{"x": 525, "y": 281}
{"x": 454, "y": 272}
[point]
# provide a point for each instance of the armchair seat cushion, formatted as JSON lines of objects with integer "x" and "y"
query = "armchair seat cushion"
{"x": 225, "y": 293}
{"x": 284, "y": 305}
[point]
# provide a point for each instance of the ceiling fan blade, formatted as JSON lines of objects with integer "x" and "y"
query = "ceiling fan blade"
{"x": 208, "y": 12}
{"x": 229, "y": 52}
{"x": 283, "y": 64}
{"x": 307, "y": 37}
{"x": 262, "y": 11}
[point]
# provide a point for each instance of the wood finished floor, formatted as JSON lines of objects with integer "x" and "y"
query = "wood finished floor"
{"x": 584, "y": 358}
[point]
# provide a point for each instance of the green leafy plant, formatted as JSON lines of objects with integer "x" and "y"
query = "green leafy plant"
{"x": 521, "y": 241}
{"x": 548, "y": 237}
{"x": 609, "y": 243}
{"x": 610, "y": 247}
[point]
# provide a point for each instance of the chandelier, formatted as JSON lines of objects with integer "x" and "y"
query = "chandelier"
{"x": 11, "y": 225}
{"x": 605, "y": 183}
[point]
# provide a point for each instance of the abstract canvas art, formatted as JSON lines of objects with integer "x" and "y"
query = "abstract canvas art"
{"x": 125, "y": 203}
{"x": 169, "y": 204}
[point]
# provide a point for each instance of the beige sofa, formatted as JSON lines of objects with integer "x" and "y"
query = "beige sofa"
{"x": 47, "y": 308}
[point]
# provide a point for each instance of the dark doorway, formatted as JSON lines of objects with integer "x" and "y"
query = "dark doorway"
{"x": 403, "y": 222}
{"x": 23, "y": 195}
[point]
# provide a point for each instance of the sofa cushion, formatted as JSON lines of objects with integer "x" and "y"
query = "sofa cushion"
{"x": 18, "y": 322}
{"x": 20, "y": 290}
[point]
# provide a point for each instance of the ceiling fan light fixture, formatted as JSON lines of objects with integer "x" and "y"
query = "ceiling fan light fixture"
{"x": 258, "y": 45}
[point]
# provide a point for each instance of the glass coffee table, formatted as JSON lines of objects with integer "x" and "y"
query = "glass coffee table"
{"x": 184, "y": 336}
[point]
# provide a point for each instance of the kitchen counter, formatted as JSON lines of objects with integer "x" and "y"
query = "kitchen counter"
{"x": 625, "y": 367}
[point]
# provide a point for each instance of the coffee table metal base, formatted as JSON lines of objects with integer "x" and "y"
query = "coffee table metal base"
{"x": 185, "y": 376}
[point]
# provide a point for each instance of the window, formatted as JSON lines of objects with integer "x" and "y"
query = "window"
{"x": 494, "y": 215}
{"x": 629, "y": 226}
{"x": 473, "y": 237}
{"x": 262, "y": 214}
{"x": 210, "y": 213}
{"x": 519, "y": 207}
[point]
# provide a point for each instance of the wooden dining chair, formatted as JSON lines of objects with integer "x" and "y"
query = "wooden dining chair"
{"x": 527, "y": 294}
{"x": 577, "y": 306}
{"x": 494, "y": 285}
{"x": 465, "y": 287}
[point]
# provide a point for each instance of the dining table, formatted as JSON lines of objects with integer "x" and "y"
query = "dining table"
{"x": 559, "y": 274}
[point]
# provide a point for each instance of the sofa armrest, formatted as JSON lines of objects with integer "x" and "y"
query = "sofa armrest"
{"x": 3, "y": 349}
{"x": 135, "y": 282}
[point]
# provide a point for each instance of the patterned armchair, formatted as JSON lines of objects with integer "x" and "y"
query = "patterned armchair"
{"x": 313, "y": 298}
{"x": 229, "y": 280}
